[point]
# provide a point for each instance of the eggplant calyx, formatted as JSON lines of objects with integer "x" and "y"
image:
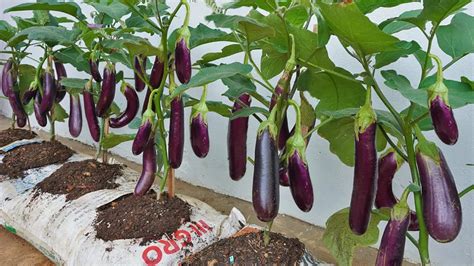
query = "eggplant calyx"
{"x": 426, "y": 147}
{"x": 364, "y": 119}
{"x": 183, "y": 34}
{"x": 401, "y": 210}
{"x": 201, "y": 107}
{"x": 149, "y": 116}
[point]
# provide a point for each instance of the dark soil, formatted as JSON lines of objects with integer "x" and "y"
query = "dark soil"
{"x": 249, "y": 249}
{"x": 79, "y": 178}
{"x": 10, "y": 135}
{"x": 32, "y": 156}
{"x": 141, "y": 217}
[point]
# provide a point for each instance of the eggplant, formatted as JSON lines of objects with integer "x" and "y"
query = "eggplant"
{"x": 147, "y": 177}
{"x": 28, "y": 95}
{"x": 40, "y": 117}
{"x": 182, "y": 55}
{"x": 75, "y": 115}
{"x": 284, "y": 176}
{"x": 392, "y": 246}
{"x": 21, "y": 121}
{"x": 144, "y": 133}
{"x": 94, "y": 69}
{"x": 388, "y": 165}
{"x": 130, "y": 111}
{"x": 443, "y": 121}
{"x": 49, "y": 91}
{"x": 60, "y": 73}
{"x": 14, "y": 98}
{"x": 237, "y": 140}
{"x": 140, "y": 67}
{"x": 176, "y": 129}
{"x": 280, "y": 91}
{"x": 441, "y": 205}
{"x": 199, "y": 135}
{"x": 89, "y": 110}
{"x": 6, "y": 68}
{"x": 107, "y": 93}
{"x": 145, "y": 101}
{"x": 300, "y": 182}
{"x": 157, "y": 73}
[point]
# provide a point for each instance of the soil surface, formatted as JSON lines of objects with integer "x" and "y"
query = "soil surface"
{"x": 249, "y": 249}
{"x": 10, "y": 135}
{"x": 33, "y": 156}
{"x": 79, "y": 178}
{"x": 141, "y": 217}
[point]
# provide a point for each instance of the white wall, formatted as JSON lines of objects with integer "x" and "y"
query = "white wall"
{"x": 332, "y": 180}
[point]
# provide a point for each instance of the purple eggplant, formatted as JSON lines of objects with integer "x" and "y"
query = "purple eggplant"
{"x": 140, "y": 67}
{"x": 300, "y": 182}
{"x": 157, "y": 73}
{"x": 237, "y": 140}
{"x": 441, "y": 204}
{"x": 107, "y": 93}
{"x": 14, "y": 98}
{"x": 284, "y": 175}
{"x": 147, "y": 176}
{"x": 6, "y": 68}
{"x": 144, "y": 133}
{"x": 75, "y": 115}
{"x": 49, "y": 91}
{"x": 443, "y": 121}
{"x": 94, "y": 69}
{"x": 40, "y": 117}
{"x": 199, "y": 135}
{"x": 176, "y": 138}
{"x": 28, "y": 95}
{"x": 89, "y": 110}
{"x": 60, "y": 73}
{"x": 388, "y": 165}
{"x": 265, "y": 188}
{"x": 130, "y": 111}
{"x": 182, "y": 55}
{"x": 392, "y": 246}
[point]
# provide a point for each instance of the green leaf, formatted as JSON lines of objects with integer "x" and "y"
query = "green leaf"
{"x": 367, "y": 6}
{"x": 225, "y": 52}
{"x": 114, "y": 9}
{"x": 460, "y": 94}
{"x": 341, "y": 241}
{"x": 75, "y": 56}
{"x": 111, "y": 140}
{"x": 140, "y": 46}
{"x": 308, "y": 115}
{"x": 333, "y": 92}
{"x": 59, "y": 114}
{"x": 248, "y": 111}
{"x": 6, "y": 31}
{"x": 238, "y": 85}
{"x": 202, "y": 34}
{"x": 404, "y": 50}
{"x": 267, "y": 5}
{"x": 324, "y": 33}
{"x": 22, "y": 23}
{"x": 70, "y": 8}
{"x": 297, "y": 15}
{"x": 400, "y": 23}
{"x": 239, "y": 3}
{"x": 255, "y": 31}
{"x": 213, "y": 106}
{"x": 273, "y": 64}
{"x": 74, "y": 83}
{"x": 213, "y": 73}
{"x": 457, "y": 38}
{"x": 227, "y": 21}
{"x": 136, "y": 123}
{"x": 437, "y": 10}
{"x": 49, "y": 34}
{"x": 425, "y": 124}
{"x": 26, "y": 75}
{"x": 358, "y": 31}
{"x": 468, "y": 82}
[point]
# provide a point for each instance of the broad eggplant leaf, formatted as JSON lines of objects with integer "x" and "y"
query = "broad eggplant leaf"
{"x": 74, "y": 83}
{"x": 75, "y": 56}
{"x": 214, "y": 106}
{"x": 248, "y": 111}
{"x": 404, "y": 50}
{"x": 59, "y": 114}
{"x": 225, "y": 52}
{"x": 437, "y": 10}
{"x": 297, "y": 15}
{"x": 7, "y": 31}
{"x": 111, "y": 140}
{"x": 457, "y": 38}
{"x": 49, "y": 34}
{"x": 367, "y": 6}
{"x": 202, "y": 34}
{"x": 238, "y": 85}
{"x": 400, "y": 23}
{"x": 273, "y": 64}
{"x": 465, "y": 80}
{"x": 113, "y": 9}
{"x": 70, "y": 8}
{"x": 420, "y": 56}
{"x": 228, "y": 21}
{"x": 26, "y": 75}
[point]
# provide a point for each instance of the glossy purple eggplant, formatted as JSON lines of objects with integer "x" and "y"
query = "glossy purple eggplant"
{"x": 94, "y": 69}
{"x": 444, "y": 122}
{"x": 6, "y": 68}
{"x": 147, "y": 176}
{"x": 107, "y": 93}
{"x": 130, "y": 111}
{"x": 14, "y": 98}
{"x": 199, "y": 135}
{"x": 176, "y": 129}
{"x": 441, "y": 204}
{"x": 60, "y": 73}
{"x": 49, "y": 91}
{"x": 40, "y": 117}
{"x": 237, "y": 140}
{"x": 28, "y": 96}
{"x": 300, "y": 182}
{"x": 182, "y": 56}
{"x": 89, "y": 111}
{"x": 157, "y": 72}
{"x": 144, "y": 133}
{"x": 284, "y": 177}
{"x": 140, "y": 67}
{"x": 75, "y": 115}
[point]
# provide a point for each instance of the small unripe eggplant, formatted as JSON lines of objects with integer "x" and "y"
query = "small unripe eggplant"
{"x": 147, "y": 176}
{"x": 94, "y": 68}
{"x": 49, "y": 91}
{"x": 89, "y": 110}
{"x": 28, "y": 95}
{"x": 107, "y": 93}
{"x": 6, "y": 68}
{"x": 130, "y": 111}
{"x": 182, "y": 55}
{"x": 144, "y": 133}
{"x": 237, "y": 140}
{"x": 199, "y": 135}
{"x": 60, "y": 73}
{"x": 441, "y": 204}
{"x": 40, "y": 117}
{"x": 300, "y": 182}
{"x": 265, "y": 188}
{"x": 140, "y": 67}
{"x": 157, "y": 72}
{"x": 364, "y": 170}
{"x": 75, "y": 115}
{"x": 176, "y": 129}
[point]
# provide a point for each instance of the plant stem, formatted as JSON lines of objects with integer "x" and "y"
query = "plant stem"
{"x": 394, "y": 146}
{"x": 412, "y": 240}
{"x": 428, "y": 50}
{"x": 453, "y": 61}
{"x": 419, "y": 118}
{"x": 266, "y": 233}
{"x": 466, "y": 190}
{"x": 52, "y": 133}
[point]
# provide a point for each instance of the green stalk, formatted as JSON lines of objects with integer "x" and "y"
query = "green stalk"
{"x": 266, "y": 233}
{"x": 466, "y": 190}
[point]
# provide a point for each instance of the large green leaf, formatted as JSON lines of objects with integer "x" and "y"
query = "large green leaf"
{"x": 6, "y": 31}
{"x": 341, "y": 241}
{"x": 202, "y": 34}
{"x": 358, "y": 31}
{"x": 238, "y": 85}
{"x": 59, "y": 114}
{"x": 273, "y": 64}
{"x": 74, "y": 56}
{"x": 367, "y": 6}
{"x": 70, "y": 8}
{"x": 437, "y": 10}
{"x": 225, "y": 52}
{"x": 113, "y": 9}
{"x": 255, "y": 31}
{"x": 49, "y": 34}
{"x": 457, "y": 38}
{"x": 26, "y": 75}
{"x": 248, "y": 111}
{"x": 333, "y": 92}
{"x": 74, "y": 83}
{"x": 404, "y": 50}
{"x": 297, "y": 15}
{"x": 141, "y": 47}
{"x": 228, "y": 21}
{"x": 213, "y": 106}
{"x": 111, "y": 140}
{"x": 400, "y": 23}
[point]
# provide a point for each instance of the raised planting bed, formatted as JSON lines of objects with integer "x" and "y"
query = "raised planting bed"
{"x": 10, "y": 135}
{"x": 247, "y": 247}
{"x": 75, "y": 179}
{"x": 32, "y": 156}
{"x": 144, "y": 217}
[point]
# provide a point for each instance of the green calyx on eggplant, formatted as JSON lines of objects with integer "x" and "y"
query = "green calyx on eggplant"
{"x": 199, "y": 127}
{"x": 237, "y": 139}
{"x": 363, "y": 189}
{"x": 49, "y": 91}
{"x": 107, "y": 93}
{"x": 392, "y": 246}
{"x": 89, "y": 111}
{"x": 75, "y": 115}
{"x": 130, "y": 111}
{"x": 265, "y": 188}
{"x": 147, "y": 176}
{"x": 140, "y": 67}
{"x": 60, "y": 73}
{"x": 182, "y": 55}
{"x": 441, "y": 204}
{"x": 441, "y": 112}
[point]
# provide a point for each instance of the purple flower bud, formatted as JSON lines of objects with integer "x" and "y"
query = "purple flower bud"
{"x": 443, "y": 121}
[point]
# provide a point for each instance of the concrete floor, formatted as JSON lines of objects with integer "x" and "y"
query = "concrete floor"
{"x": 15, "y": 251}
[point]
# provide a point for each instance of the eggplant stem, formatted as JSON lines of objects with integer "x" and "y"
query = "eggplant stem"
{"x": 13, "y": 121}
{"x": 419, "y": 118}
{"x": 266, "y": 233}
{"x": 466, "y": 190}
{"x": 390, "y": 141}
{"x": 412, "y": 240}
{"x": 171, "y": 183}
